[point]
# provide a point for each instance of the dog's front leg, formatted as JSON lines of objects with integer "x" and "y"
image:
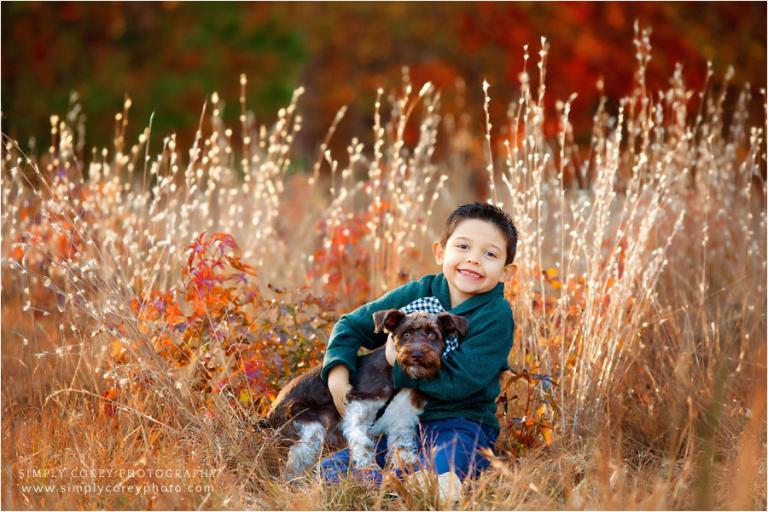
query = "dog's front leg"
{"x": 399, "y": 422}
{"x": 307, "y": 450}
{"x": 356, "y": 426}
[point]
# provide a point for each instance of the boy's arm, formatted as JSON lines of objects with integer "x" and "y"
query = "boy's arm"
{"x": 355, "y": 329}
{"x": 339, "y": 386}
{"x": 469, "y": 368}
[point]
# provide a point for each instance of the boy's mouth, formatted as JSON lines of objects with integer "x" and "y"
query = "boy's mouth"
{"x": 469, "y": 274}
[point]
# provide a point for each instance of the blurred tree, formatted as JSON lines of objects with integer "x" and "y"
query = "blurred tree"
{"x": 169, "y": 56}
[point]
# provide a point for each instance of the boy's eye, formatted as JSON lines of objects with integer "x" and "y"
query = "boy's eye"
{"x": 490, "y": 254}
{"x": 462, "y": 246}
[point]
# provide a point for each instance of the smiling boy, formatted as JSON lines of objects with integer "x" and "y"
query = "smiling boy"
{"x": 475, "y": 253}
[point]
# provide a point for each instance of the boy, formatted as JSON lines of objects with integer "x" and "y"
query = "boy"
{"x": 476, "y": 251}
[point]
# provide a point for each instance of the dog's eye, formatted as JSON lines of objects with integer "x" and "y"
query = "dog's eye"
{"x": 407, "y": 334}
{"x": 432, "y": 335}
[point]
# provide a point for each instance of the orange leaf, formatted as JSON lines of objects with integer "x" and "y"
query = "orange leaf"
{"x": 17, "y": 253}
{"x": 109, "y": 407}
{"x": 547, "y": 433}
{"x": 117, "y": 349}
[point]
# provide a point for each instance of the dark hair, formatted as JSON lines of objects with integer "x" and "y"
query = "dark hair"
{"x": 488, "y": 213}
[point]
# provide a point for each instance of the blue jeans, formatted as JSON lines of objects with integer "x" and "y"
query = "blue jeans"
{"x": 456, "y": 442}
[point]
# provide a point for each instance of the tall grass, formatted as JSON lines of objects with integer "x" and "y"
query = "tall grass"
{"x": 639, "y": 290}
{"x": 645, "y": 199}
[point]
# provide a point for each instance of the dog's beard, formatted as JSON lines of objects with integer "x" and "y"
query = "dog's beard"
{"x": 426, "y": 368}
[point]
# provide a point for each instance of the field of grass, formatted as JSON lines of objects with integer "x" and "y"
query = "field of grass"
{"x": 155, "y": 298}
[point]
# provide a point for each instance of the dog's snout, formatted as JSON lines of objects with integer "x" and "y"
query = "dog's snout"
{"x": 417, "y": 355}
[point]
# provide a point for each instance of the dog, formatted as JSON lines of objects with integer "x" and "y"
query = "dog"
{"x": 304, "y": 411}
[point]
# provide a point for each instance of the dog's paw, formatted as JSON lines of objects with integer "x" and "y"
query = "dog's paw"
{"x": 404, "y": 458}
{"x": 408, "y": 456}
{"x": 364, "y": 461}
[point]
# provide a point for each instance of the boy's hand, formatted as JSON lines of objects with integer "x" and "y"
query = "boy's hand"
{"x": 390, "y": 351}
{"x": 339, "y": 386}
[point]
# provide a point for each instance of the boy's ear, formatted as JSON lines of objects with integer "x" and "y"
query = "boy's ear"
{"x": 439, "y": 251}
{"x": 387, "y": 320}
{"x": 509, "y": 271}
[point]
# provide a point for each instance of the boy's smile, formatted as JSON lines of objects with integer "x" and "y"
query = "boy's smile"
{"x": 472, "y": 259}
{"x": 470, "y": 274}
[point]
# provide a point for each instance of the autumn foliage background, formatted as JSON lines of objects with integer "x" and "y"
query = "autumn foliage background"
{"x": 193, "y": 194}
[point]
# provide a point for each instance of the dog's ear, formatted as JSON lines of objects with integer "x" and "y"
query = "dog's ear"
{"x": 450, "y": 323}
{"x": 387, "y": 320}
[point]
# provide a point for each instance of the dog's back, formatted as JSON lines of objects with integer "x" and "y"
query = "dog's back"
{"x": 305, "y": 399}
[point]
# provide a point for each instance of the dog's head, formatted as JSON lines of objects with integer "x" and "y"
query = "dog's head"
{"x": 419, "y": 338}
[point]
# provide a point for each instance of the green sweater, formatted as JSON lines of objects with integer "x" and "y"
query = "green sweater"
{"x": 468, "y": 383}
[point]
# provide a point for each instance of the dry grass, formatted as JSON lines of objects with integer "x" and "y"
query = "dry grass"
{"x": 640, "y": 288}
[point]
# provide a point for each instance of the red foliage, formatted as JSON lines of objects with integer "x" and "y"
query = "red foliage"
{"x": 343, "y": 263}
{"x": 222, "y": 335}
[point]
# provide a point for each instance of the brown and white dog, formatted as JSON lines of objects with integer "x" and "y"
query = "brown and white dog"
{"x": 304, "y": 411}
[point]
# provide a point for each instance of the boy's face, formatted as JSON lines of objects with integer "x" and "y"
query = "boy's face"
{"x": 472, "y": 259}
